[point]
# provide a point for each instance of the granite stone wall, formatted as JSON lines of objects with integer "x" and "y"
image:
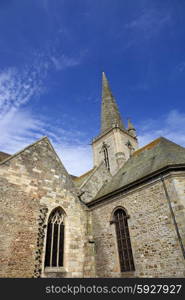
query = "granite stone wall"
{"x": 118, "y": 150}
{"x": 93, "y": 184}
{"x": 32, "y": 184}
{"x": 177, "y": 190}
{"x": 156, "y": 247}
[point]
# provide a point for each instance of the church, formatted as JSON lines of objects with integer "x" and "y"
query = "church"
{"x": 123, "y": 218}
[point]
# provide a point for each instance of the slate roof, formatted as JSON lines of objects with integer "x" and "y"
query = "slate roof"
{"x": 158, "y": 154}
{"x": 78, "y": 181}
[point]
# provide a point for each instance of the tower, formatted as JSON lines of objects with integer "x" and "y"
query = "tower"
{"x": 115, "y": 143}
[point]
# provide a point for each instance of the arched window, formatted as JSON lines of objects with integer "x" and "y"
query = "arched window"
{"x": 123, "y": 241}
{"x": 106, "y": 155}
{"x": 55, "y": 239}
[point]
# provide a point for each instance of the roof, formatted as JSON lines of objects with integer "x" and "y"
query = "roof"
{"x": 151, "y": 158}
{"x": 78, "y": 181}
{"x": 4, "y": 156}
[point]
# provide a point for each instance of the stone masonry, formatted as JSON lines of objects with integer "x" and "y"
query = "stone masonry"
{"x": 148, "y": 184}
{"x": 33, "y": 183}
{"x": 156, "y": 249}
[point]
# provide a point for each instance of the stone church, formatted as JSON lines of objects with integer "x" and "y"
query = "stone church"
{"x": 123, "y": 218}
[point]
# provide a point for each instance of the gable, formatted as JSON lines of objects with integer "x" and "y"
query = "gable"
{"x": 39, "y": 163}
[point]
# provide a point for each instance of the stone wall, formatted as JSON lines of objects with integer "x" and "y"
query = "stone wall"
{"x": 32, "y": 184}
{"x": 18, "y": 222}
{"x": 156, "y": 248}
{"x": 177, "y": 185}
{"x": 93, "y": 184}
{"x": 118, "y": 151}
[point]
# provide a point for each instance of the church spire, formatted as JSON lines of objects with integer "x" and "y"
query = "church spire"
{"x": 110, "y": 115}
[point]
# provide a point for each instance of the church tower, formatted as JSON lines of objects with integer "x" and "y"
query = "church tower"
{"x": 115, "y": 143}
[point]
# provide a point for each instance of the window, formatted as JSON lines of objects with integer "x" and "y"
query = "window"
{"x": 123, "y": 241}
{"x": 55, "y": 239}
{"x": 106, "y": 155}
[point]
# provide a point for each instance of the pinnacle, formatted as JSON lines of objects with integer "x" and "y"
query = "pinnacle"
{"x": 130, "y": 125}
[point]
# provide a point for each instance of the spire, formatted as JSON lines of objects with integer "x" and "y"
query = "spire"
{"x": 110, "y": 115}
{"x": 131, "y": 129}
{"x": 130, "y": 125}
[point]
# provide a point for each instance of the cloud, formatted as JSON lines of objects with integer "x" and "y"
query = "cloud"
{"x": 181, "y": 67}
{"x": 148, "y": 20}
{"x": 170, "y": 126}
{"x": 62, "y": 62}
{"x": 76, "y": 158}
{"x": 17, "y": 126}
{"x": 146, "y": 26}
{"x": 20, "y": 127}
{"x": 17, "y": 88}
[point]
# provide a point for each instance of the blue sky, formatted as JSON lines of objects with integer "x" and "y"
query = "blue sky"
{"x": 52, "y": 54}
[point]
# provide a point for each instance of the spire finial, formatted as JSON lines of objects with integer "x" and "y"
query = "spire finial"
{"x": 110, "y": 115}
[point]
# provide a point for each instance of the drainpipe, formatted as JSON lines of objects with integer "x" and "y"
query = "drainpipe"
{"x": 173, "y": 216}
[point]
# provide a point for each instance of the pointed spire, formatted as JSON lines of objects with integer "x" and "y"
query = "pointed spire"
{"x": 110, "y": 115}
{"x": 130, "y": 125}
{"x": 131, "y": 128}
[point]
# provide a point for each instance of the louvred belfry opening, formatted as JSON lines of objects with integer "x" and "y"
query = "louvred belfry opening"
{"x": 123, "y": 241}
{"x": 55, "y": 239}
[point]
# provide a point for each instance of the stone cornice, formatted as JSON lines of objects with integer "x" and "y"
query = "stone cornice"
{"x": 109, "y": 130}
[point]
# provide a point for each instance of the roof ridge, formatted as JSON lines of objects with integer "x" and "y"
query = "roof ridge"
{"x": 27, "y": 147}
{"x": 84, "y": 174}
{"x": 4, "y": 152}
{"x": 148, "y": 146}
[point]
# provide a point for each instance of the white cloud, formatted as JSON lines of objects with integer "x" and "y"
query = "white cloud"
{"x": 62, "y": 62}
{"x": 181, "y": 66}
{"x": 148, "y": 20}
{"x": 170, "y": 126}
{"x": 76, "y": 158}
{"x": 19, "y": 127}
{"x": 17, "y": 88}
{"x": 148, "y": 24}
